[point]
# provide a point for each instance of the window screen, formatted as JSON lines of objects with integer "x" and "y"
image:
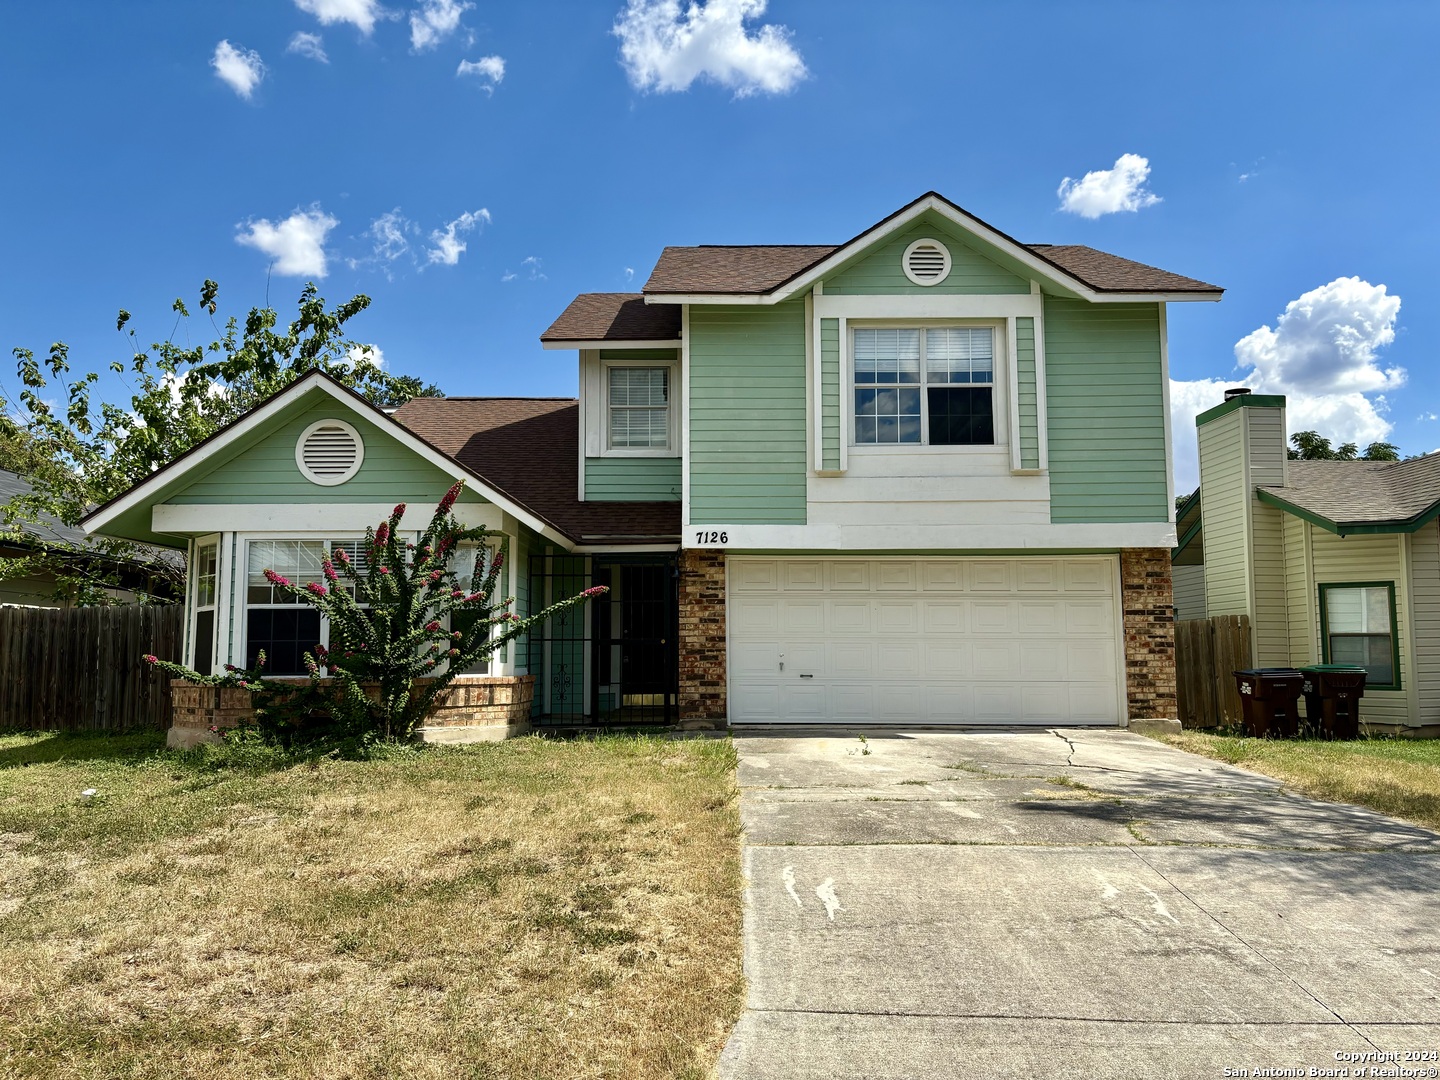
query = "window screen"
{"x": 1359, "y": 629}
{"x": 639, "y": 407}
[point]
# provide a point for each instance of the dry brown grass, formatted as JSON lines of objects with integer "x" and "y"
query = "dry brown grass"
{"x": 527, "y": 909}
{"x": 1399, "y": 777}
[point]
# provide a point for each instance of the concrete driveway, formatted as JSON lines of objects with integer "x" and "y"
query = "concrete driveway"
{"x": 1069, "y": 903}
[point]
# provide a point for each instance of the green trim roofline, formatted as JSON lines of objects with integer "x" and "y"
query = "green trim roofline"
{"x": 1350, "y": 528}
{"x": 1241, "y": 401}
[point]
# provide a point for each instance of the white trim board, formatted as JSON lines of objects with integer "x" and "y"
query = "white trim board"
{"x": 183, "y": 518}
{"x": 146, "y": 489}
{"x": 602, "y": 344}
{"x": 898, "y": 539}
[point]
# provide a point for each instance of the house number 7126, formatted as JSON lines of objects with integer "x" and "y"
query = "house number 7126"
{"x": 712, "y": 538}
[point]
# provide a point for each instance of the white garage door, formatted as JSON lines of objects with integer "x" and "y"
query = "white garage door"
{"x": 924, "y": 641}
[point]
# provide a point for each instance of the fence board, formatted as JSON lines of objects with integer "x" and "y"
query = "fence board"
{"x": 80, "y": 669}
{"x": 1207, "y": 654}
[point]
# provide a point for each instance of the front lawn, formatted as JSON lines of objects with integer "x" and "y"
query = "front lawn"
{"x": 1399, "y": 777}
{"x": 532, "y": 908}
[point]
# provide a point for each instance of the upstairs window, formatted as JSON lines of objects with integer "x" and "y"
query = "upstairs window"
{"x": 1358, "y": 627}
{"x": 930, "y": 386}
{"x": 639, "y": 408}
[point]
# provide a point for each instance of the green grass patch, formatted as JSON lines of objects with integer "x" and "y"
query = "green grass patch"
{"x": 1399, "y": 777}
{"x": 520, "y": 909}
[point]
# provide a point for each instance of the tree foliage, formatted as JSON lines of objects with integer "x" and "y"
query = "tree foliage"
{"x": 78, "y": 452}
{"x": 1312, "y": 446}
{"x": 402, "y": 627}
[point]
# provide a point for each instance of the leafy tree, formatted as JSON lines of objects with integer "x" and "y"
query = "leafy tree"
{"x": 78, "y": 452}
{"x": 1312, "y": 446}
{"x": 401, "y": 629}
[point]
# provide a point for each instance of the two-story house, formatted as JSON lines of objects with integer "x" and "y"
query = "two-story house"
{"x": 920, "y": 477}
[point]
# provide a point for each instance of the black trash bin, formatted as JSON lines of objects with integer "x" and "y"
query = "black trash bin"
{"x": 1332, "y": 699}
{"x": 1270, "y": 697}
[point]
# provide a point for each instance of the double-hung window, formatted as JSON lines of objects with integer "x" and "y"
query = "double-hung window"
{"x": 206, "y": 564}
{"x": 1358, "y": 627}
{"x": 924, "y": 386}
{"x": 282, "y": 625}
{"x": 638, "y": 404}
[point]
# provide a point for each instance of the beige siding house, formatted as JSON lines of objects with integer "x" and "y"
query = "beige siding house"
{"x": 1333, "y": 561}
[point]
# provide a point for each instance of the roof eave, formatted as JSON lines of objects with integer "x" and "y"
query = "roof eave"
{"x": 1351, "y": 528}
{"x": 610, "y": 343}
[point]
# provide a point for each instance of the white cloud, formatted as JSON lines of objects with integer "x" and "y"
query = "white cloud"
{"x": 1109, "y": 191}
{"x": 308, "y": 45}
{"x": 366, "y": 353}
{"x": 1428, "y": 416}
{"x": 361, "y": 14}
{"x": 448, "y": 245}
{"x": 531, "y": 266}
{"x": 665, "y": 47}
{"x": 296, "y": 245}
{"x": 434, "y": 21}
{"x": 489, "y": 69}
{"x": 1326, "y": 341}
{"x": 239, "y": 68}
{"x": 629, "y": 273}
{"x": 1322, "y": 354}
{"x": 390, "y": 234}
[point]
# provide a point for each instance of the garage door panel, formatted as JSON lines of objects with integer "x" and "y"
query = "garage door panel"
{"x": 901, "y": 659}
{"x": 947, "y": 659}
{"x": 849, "y": 576}
{"x": 925, "y": 640}
{"x": 992, "y": 616}
{"x": 803, "y": 617}
{"x": 751, "y": 619}
{"x": 851, "y": 617}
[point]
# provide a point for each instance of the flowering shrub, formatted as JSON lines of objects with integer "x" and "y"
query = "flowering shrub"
{"x": 388, "y": 629}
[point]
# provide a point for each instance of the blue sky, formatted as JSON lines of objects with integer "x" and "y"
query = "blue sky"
{"x": 1289, "y": 154}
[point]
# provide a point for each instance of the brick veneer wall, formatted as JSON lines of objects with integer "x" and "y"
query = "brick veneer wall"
{"x": 473, "y": 708}
{"x": 702, "y": 636}
{"x": 1149, "y": 611}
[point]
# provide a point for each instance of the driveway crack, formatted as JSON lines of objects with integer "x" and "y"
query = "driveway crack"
{"x": 1070, "y": 759}
{"x": 1278, "y": 969}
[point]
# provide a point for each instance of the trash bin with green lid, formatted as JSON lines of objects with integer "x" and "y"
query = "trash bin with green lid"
{"x": 1269, "y": 698}
{"x": 1332, "y": 699}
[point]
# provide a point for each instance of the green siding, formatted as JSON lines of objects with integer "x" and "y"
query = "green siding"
{"x": 265, "y": 471}
{"x": 748, "y": 457}
{"x": 1029, "y": 408}
{"x": 1106, "y": 412}
{"x": 634, "y": 479}
{"x": 830, "y": 392}
{"x": 663, "y": 356}
{"x": 971, "y": 271}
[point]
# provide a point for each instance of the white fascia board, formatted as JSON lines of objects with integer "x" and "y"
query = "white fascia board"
{"x": 1155, "y": 298}
{"x": 902, "y": 538}
{"x": 709, "y": 298}
{"x": 631, "y": 549}
{"x": 147, "y": 488}
{"x": 186, "y": 518}
{"x": 673, "y": 343}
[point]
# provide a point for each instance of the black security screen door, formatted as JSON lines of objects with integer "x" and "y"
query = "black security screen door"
{"x": 615, "y": 661}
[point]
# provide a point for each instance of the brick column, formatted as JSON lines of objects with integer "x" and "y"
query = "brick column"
{"x": 1149, "y": 633}
{"x": 702, "y": 636}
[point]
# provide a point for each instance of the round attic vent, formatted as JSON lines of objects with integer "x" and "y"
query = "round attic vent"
{"x": 927, "y": 262}
{"x": 329, "y": 452}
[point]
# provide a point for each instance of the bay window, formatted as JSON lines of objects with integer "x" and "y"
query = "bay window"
{"x": 282, "y": 625}
{"x": 203, "y": 643}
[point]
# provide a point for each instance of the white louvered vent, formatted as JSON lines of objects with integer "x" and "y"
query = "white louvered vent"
{"x": 329, "y": 452}
{"x": 927, "y": 262}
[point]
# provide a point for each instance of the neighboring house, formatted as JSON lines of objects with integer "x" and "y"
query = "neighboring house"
{"x": 920, "y": 477}
{"x": 1333, "y": 561}
{"x": 61, "y": 543}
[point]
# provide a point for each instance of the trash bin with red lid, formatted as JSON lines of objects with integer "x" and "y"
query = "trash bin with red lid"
{"x": 1270, "y": 700}
{"x": 1332, "y": 699}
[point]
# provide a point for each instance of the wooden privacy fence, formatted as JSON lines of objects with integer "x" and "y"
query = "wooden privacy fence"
{"x": 1208, "y": 652}
{"x": 79, "y": 669}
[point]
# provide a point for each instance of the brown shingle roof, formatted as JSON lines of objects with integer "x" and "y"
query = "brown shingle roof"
{"x": 1104, "y": 272}
{"x": 1362, "y": 492}
{"x": 764, "y": 268}
{"x": 715, "y": 269}
{"x": 615, "y": 317}
{"x": 528, "y": 449}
